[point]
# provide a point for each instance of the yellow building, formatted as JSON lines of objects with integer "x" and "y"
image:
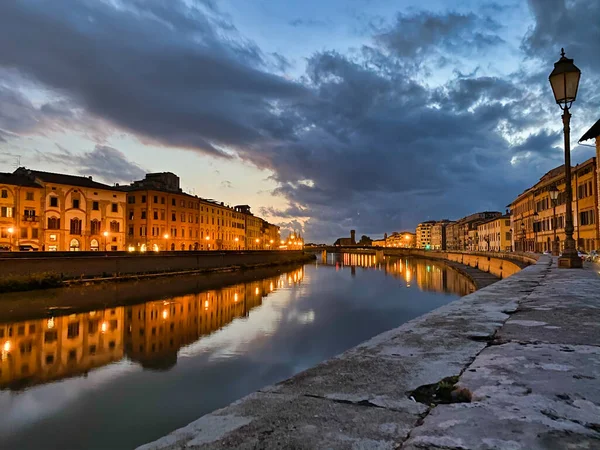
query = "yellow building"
{"x": 253, "y": 225}
{"x": 160, "y": 216}
{"x": 533, "y": 214}
{"x": 494, "y": 235}
{"x": 270, "y": 237}
{"x": 57, "y": 212}
{"x": 594, "y": 133}
{"x": 20, "y": 213}
{"x": 423, "y": 234}
{"x": 403, "y": 239}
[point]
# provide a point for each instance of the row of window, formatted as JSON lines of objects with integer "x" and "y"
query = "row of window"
{"x": 131, "y": 200}
{"x": 160, "y": 215}
{"x": 28, "y": 195}
{"x": 160, "y": 232}
{"x": 585, "y": 190}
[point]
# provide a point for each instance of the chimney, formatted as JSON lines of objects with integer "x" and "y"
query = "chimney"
{"x": 353, "y": 237}
{"x": 90, "y": 177}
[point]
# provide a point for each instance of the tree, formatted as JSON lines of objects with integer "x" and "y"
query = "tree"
{"x": 365, "y": 240}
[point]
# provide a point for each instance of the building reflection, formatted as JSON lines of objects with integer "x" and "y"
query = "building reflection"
{"x": 427, "y": 275}
{"x": 40, "y": 351}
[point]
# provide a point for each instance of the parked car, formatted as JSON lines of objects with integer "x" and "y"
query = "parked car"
{"x": 583, "y": 255}
{"x": 594, "y": 256}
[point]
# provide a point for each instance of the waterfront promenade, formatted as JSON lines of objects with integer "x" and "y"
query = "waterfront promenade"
{"x": 514, "y": 365}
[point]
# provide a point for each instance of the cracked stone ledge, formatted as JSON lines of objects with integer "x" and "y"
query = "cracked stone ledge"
{"x": 361, "y": 398}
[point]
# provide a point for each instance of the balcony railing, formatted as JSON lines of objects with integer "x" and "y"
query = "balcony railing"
{"x": 31, "y": 219}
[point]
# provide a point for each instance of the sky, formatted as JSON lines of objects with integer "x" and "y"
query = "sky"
{"x": 324, "y": 116}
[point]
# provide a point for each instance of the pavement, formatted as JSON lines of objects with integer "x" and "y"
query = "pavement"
{"x": 515, "y": 365}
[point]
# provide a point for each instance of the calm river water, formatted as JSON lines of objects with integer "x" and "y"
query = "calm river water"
{"x": 124, "y": 376}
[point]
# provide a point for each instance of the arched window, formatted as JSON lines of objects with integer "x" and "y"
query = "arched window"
{"x": 75, "y": 227}
{"x": 95, "y": 226}
{"x": 114, "y": 226}
{"x": 172, "y": 247}
{"x": 190, "y": 247}
{"x": 182, "y": 247}
{"x": 94, "y": 245}
{"x": 155, "y": 247}
{"x": 196, "y": 246}
{"x": 143, "y": 248}
{"x": 53, "y": 223}
{"x": 74, "y": 245}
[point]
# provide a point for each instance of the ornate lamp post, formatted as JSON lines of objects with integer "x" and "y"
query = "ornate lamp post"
{"x": 237, "y": 242}
{"x": 105, "y": 234}
{"x": 166, "y": 236}
{"x": 522, "y": 236}
{"x": 564, "y": 80}
{"x": 207, "y": 239}
{"x": 554, "y": 197}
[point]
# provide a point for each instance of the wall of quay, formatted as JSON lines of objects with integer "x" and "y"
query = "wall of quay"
{"x": 70, "y": 266}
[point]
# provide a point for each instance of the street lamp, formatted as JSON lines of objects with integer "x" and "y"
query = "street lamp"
{"x": 564, "y": 80}
{"x": 522, "y": 236}
{"x": 257, "y": 241}
{"x": 554, "y": 197}
{"x": 166, "y": 236}
{"x": 207, "y": 239}
{"x": 11, "y": 231}
{"x": 105, "y": 234}
{"x": 237, "y": 240}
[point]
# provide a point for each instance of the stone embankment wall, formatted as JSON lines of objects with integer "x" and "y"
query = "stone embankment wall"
{"x": 501, "y": 265}
{"x": 107, "y": 265}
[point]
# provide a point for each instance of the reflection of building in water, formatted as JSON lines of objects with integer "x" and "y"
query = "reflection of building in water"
{"x": 39, "y": 351}
{"x": 155, "y": 331}
{"x": 151, "y": 334}
{"x": 428, "y": 275}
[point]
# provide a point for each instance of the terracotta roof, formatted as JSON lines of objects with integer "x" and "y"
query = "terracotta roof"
{"x": 59, "y": 178}
{"x": 17, "y": 180}
{"x": 592, "y": 133}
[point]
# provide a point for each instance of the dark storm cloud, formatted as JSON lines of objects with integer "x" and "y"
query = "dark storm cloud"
{"x": 574, "y": 25}
{"x": 159, "y": 69}
{"x": 358, "y": 142}
{"x": 419, "y": 35}
{"x": 107, "y": 163}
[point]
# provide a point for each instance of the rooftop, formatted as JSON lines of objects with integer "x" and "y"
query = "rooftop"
{"x": 59, "y": 178}
{"x": 592, "y": 133}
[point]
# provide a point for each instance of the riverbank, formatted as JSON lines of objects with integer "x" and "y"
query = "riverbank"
{"x": 51, "y": 271}
{"x": 520, "y": 360}
{"x": 80, "y": 297}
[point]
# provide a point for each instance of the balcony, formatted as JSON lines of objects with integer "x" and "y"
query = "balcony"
{"x": 31, "y": 219}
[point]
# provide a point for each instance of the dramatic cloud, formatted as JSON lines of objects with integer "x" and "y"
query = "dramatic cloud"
{"x": 157, "y": 69}
{"x": 423, "y": 34}
{"x": 107, "y": 163}
{"x": 419, "y": 122}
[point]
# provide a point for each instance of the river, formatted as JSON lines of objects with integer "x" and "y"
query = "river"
{"x": 122, "y": 376}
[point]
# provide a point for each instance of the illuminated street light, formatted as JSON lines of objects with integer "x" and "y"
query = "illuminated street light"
{"x": 564, "y": 80}
{"x": 11, "y": 231}
{"x": 105, "y": 234}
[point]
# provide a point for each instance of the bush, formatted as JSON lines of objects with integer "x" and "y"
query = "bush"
{"x": 13, "y": 283}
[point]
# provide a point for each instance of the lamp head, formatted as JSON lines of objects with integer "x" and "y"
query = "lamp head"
{"x": 564, "y": 80}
